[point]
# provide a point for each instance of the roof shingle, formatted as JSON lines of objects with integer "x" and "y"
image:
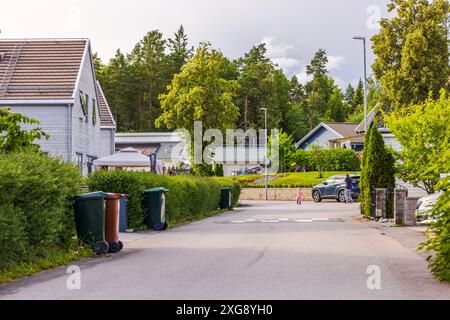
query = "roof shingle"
{"x": 106, "y": 119}
{"x": 40, "y": 69}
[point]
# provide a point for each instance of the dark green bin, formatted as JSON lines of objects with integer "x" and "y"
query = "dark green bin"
{"x": 226, "y": 201}
{"x": 154, "y": 203}
{"x": 90, "y": 220}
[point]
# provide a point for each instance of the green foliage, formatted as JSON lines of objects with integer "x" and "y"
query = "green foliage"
{"x": 318, "y": 158}
{"x": 317, "y": 89}
{"x": 335, "y": 160}
{"x": 439, "y": 242}
{"x": 412, "y": 52}
{"x": 377, "y": 169}
{"x": 188, "y": 196}
{"x": 14, "y": 138}
{"x": 35, "y": 206}
{"x": 200, "y": 93}
{"x": 286, "y": 147}
{"x": 207, "y": 170}
{"x": 358, "y": 98}
{"x": 287, "y": 180}
{"x": 424, "y": 133}
{"x": 133, "y": 82}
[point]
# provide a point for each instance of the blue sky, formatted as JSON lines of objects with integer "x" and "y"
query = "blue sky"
{"x": 292, "y": 29}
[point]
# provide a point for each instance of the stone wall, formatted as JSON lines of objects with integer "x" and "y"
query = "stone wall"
{"x": 275, "y": 194}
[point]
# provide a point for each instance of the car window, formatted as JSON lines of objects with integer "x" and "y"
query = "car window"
{"x": 330, "y": 180}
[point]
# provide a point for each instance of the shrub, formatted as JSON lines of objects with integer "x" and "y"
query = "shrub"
{"x": 188, "y": 196}
{"x": 329, "y": 159}
{"x": 36, "y": 211}
{"x": 378, "y": 170}
{"x": 439, "y": 243}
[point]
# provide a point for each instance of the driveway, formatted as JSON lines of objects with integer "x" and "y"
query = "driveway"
{"x": 263, "y": 250}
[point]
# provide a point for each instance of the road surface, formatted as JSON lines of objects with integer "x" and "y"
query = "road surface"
{"x": 273, "y": 250}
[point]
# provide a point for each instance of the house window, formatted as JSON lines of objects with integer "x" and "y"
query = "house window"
{"x": 83, "y": 111}
{"x": 90, "y": 163}
{"x": 86, "y": 99}
{"x": 80, "y": 162}
{"x": 94, "y": 111}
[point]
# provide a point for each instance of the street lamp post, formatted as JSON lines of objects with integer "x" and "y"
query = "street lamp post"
{"x": 365, "y": 81}
{"x": 266, "y": 160}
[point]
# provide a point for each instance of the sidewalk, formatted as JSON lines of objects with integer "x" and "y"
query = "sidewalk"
{"x": 409, "y": 237}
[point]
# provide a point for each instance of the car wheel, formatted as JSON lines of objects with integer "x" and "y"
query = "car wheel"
{"x": 341, "y": 196}
{"x": 316, "y": 196}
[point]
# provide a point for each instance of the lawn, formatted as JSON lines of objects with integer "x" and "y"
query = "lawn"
{"x": 287, "y": 180}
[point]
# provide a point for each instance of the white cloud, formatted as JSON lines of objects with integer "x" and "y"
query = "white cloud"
{"x": 279, "y": 54}
{"x": 335, "y": 62}
{"x": 286, "y": 63}
{"x": 303, "y": 77}
{"x": 276, "y": 50}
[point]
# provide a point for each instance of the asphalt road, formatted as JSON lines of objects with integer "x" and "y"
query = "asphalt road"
{"x": 273, "y": 250}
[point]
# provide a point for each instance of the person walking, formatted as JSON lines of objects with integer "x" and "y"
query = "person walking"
{"x": 299, "y": 196}
{"x": 348, "y": 189}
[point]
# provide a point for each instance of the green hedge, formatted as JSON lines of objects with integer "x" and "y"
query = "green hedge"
{"x": 188, "y": 196}
{"x": 335, "y": 160}
{"x": 36, "y": 212}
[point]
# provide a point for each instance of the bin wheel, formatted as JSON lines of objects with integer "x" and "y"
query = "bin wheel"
{"x": 114, "y": 247}
{"x": 101, "y": 247}
{"x": 165, "y": 225}
{"x": 120, "y": 245}
{"x": 158, "y": 226}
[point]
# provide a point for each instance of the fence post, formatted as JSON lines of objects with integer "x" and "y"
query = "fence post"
{"x": 410, "y": 211}
{"x": 381, "y": 198}
{"x": 400, "y": 206}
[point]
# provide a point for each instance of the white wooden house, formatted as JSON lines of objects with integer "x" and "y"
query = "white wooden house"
{"x": 53, "y": 81}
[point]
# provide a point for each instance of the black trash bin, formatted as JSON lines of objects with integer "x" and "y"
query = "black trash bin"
{"x": 226, "y": 198}
{"x": 90, "y": 220}
{"x": 155, "y": 206}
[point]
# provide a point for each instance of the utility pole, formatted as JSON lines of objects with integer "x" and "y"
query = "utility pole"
{"x": 365, "y": 81}
{"x": 266, "y": 160}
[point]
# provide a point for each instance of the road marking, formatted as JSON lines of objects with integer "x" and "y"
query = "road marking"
{"x": 281, "y": 220}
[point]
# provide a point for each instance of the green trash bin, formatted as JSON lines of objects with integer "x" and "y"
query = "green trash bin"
{"x": 226, "y": 198}
{"x": 90, "y": 220}
{"x": 155, "y": 206}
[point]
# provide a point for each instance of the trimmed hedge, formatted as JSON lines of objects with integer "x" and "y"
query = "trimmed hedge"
{"x": 36, "y": 212}
{"x": 188, "y": 196}
{"x": 335, "y": 160}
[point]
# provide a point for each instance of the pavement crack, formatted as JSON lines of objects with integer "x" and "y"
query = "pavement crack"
{"x": 258, "y": 257}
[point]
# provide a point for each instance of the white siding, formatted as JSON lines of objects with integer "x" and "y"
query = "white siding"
{"x": 390, "y": 140}
{"x": 106, "y": 142}
{"x": 85, "y": 134}
{"x": 54, "y": 120}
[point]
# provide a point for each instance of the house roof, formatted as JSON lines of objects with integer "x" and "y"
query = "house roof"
{"x": 341, "y": 130}
{"x": 40, "y": 69}
{"x": 106, "y": 117}
{"x": 147, "y": 137}
{"x": 370, "y": 118}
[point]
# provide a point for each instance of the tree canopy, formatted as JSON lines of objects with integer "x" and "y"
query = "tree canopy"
{"x": 15, "y": 138}
{"x": 411, "y": 51}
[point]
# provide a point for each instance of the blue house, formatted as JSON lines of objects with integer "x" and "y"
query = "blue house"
{"x": 333, "y": 135}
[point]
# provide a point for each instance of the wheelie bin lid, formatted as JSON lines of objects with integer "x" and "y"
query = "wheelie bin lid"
{"x": 113, "y": 195}
{"x": 160, "y": 189}
{"x": 227, "y": 188}
{"x": 92, "y": 195}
